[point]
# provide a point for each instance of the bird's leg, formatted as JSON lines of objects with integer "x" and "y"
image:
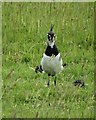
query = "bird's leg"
{"x": 55, "y": 81}
{"x": 48, "y": 80}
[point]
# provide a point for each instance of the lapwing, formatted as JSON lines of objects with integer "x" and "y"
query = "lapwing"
{"x": 51, "y": 62}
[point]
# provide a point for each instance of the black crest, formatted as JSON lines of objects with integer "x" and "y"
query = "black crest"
{"x": 51, "y": 29}
{"x": 51, "y": 33}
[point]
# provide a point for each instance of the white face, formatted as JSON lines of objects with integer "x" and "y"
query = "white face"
{"x": 51, "y": 39}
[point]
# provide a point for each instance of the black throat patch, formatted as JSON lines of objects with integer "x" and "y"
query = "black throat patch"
{"x": 51, "y": 51}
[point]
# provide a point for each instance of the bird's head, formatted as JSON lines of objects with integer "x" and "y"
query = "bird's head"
{"x": 51, "y": 37}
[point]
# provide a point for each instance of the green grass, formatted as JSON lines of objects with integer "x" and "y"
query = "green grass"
{"x": 24, "y": 29}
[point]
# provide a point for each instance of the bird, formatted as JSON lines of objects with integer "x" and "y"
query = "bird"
{"x": 51, "y": 62}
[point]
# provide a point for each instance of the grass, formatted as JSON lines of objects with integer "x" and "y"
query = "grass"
{"x": 24, "y": 29}
{"x": 0, "y": 60}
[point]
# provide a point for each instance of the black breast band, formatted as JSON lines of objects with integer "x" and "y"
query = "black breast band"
{"x": 51, "y": 51}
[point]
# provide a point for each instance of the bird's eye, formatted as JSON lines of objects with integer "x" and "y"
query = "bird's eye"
{"x": 49, "y": 37}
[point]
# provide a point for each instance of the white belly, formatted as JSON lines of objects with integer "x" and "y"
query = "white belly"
{"x": 51, "y": 65}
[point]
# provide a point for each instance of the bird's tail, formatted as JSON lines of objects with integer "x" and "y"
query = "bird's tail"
{"x": 64, "y": 64}
{"x": 39, "y": 68}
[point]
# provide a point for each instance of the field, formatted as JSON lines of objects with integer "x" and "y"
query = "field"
{"x": 24, "y": 36}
